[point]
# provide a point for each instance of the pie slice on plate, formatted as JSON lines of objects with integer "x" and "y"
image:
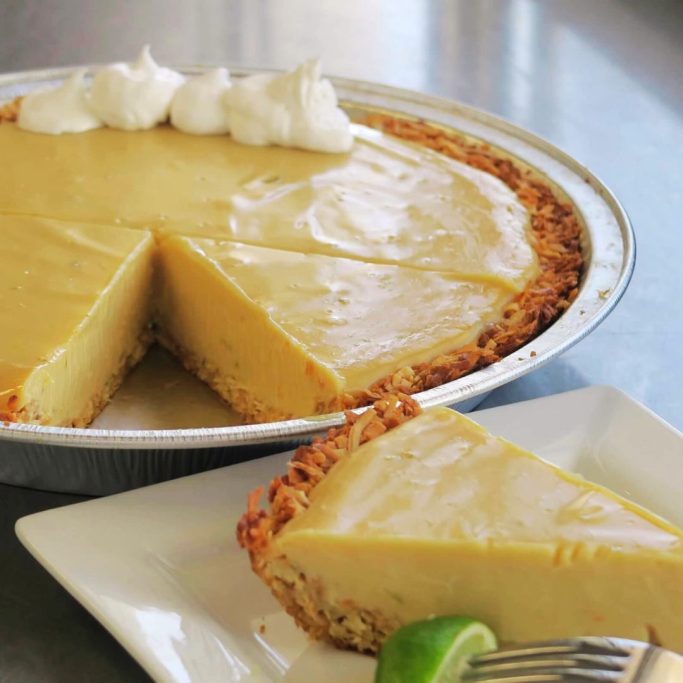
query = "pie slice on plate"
{"x": 435, "y": 516}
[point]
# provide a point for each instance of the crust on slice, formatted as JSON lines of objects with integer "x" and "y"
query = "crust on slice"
{"x": 10, "y": 111}
{"x": 288, "y": 496}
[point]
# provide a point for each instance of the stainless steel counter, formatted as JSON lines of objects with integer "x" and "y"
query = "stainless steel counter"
{"x": 603, "y": 80}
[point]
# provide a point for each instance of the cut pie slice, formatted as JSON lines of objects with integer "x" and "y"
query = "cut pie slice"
{"x": 280, "y": 334}
{"x": 439, "y": 517}
{"x": 74, "y": 314}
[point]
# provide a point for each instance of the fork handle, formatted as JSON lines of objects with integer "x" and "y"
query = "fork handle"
{"x": 660, "y": 666}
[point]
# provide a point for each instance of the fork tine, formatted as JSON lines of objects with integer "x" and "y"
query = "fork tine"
{"x": 591, "y": 645}
{"x": 548, "y": 676}
{"x": 572, "y": 660}
{"x": 536, "y": 678}
{"x": 515, "y": 678}
{"x": 577, "y": 659}
{"x": 546, "y": 671}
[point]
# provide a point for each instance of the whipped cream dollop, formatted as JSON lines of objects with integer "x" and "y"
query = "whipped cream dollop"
{"x": 134, "y": 96}
{"x": 199, "y": 105}
{"x": 64, "y": 109}
{"x": 295, "y": 109}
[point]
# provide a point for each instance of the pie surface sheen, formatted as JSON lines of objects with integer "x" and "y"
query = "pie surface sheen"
{"x": 385, "y": 201}
{"x": 293, "y": 282}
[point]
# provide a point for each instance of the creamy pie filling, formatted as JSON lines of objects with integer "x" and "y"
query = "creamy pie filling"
{"x": 446, "y": 267}
{"x": 383, "y": 202}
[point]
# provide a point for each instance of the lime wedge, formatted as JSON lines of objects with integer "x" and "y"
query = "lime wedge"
{"x": 432, "y": 651}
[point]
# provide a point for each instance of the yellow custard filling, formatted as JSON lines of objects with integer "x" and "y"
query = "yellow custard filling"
{"x": 385, "y": 201}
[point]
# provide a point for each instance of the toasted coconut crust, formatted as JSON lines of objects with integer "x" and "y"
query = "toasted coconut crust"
{"x": 10, "y": 111}
{"x": 288, "y": 494}
{"x": 345, "y": 626}
{"x": 556, "y": 234}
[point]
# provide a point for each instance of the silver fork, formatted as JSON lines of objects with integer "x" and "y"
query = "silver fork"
{"x": 576, "y": 660}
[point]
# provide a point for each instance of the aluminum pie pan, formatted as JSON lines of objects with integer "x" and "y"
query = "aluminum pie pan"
{"x": 101, "y": 461}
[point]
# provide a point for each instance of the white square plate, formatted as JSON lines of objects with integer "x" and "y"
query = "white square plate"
{"x": 160, "y": 567}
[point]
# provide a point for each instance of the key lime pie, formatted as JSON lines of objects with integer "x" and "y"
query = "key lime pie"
{"x": 302, "y": 264}
{"x": 402, "y": 515}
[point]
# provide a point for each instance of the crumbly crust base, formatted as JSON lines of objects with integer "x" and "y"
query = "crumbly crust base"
{"x": 10, "y": 111}
{"x": 344, "y": 625}
{"x": 31, "y": 412}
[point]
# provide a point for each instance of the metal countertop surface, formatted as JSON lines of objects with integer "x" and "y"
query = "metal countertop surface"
{"x": 601, "y": 80}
